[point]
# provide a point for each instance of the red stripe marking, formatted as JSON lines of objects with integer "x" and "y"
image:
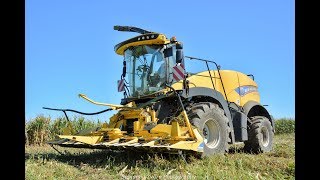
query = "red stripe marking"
{"x": 175, "y": 77}
{"x": 120, "y": 85}
{"x": 178, "y": 71}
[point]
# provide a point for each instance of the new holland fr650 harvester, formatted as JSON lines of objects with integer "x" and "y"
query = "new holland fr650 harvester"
{"x": 169, "y": 110}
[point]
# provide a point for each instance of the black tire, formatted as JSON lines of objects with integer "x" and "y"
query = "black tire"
{"x": 260, "y": 135}
{"x": 212, "y": 124}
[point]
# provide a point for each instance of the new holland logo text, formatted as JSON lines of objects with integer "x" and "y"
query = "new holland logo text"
{"x": 243, "y": 90}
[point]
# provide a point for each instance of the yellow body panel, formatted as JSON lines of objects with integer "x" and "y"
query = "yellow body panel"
{"x": 167, "y": 129}
{"x": 161, "y": 128}
{"x": 175, "y": 129}
{"x": 161, "y": 39}
{"x": 231, "y": 81}
{"x": 244, "y": 80}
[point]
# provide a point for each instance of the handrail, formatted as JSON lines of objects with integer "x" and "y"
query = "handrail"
{"x": 218, "y": 68}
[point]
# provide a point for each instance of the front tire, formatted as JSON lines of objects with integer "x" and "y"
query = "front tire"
{"x": 260, "y": 135}
{"x": 212, "y": 124}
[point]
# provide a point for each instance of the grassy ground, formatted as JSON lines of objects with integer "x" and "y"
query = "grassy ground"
{"x": 42, "y": 162}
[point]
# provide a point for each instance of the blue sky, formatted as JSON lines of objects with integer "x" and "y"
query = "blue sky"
{"x": 69, "y": 47}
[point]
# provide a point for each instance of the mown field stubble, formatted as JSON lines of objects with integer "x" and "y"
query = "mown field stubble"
{"x": 43, "y": 162}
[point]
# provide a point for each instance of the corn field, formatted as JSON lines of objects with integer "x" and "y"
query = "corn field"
{"x": 285, "y": 126}
{"x": 41, "y": 128}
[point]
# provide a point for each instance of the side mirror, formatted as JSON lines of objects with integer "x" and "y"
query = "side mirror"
{"x": 179, "y": 56}
{"x": 124, "y": 69}
{"x": 167, "y": 52}
{"x": 179, "y": 53}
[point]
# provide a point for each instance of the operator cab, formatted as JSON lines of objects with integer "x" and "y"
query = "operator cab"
{"x": 148, "y": 69}
{"x": 149, "y": 60}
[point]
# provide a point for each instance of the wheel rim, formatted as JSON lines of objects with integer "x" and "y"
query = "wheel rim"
{"x": 265, "y": 136}
{"x": 211, "y": 133}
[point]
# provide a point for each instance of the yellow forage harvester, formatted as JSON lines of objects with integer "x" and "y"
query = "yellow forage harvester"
{"x": 169, "y": 110}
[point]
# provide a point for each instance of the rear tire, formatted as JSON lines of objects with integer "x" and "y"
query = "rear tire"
{"x": 212, "y": 124}
{"x": 260, "y": 135}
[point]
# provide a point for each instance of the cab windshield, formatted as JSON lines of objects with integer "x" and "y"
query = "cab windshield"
{"x": 147, "y": 69}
